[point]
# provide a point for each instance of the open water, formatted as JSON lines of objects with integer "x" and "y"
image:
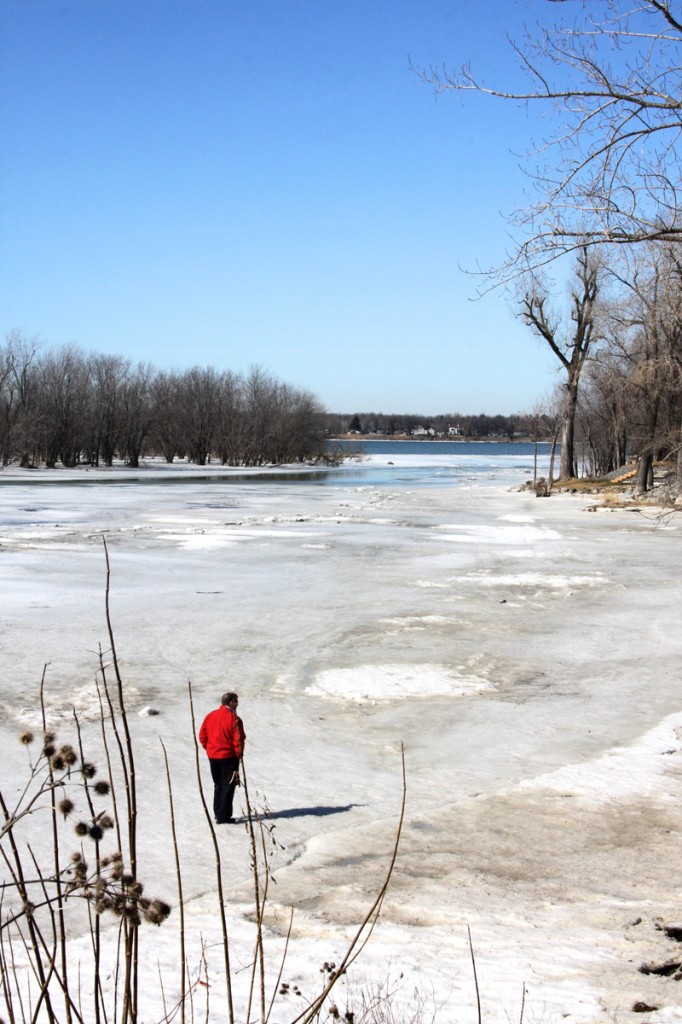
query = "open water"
{"x": 436, "y": 463}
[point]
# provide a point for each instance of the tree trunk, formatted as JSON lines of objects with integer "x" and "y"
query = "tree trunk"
{"x": 551, "y": 462}
{"x": 644, "y": 472}
{"x": 567, "y": 463}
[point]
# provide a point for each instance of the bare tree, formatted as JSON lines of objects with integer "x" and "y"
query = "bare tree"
{"x": 198, "y": 412}
{"x": 109, "y": 375}
{"x": 63, "y": 403}
{"x": 604, "y": 411}
{"x": 166, "y": 428}
{"x": 259, "y": 388}
{"x": 17, "y": 398}
{"x": 570, "y": 348}
{"x": 230, "y": 420}
{"x": 296, "y": 432}
{"x": 136, "y": 412}
{"x": 610, "y": 170}
{"x": 651, "y": 317}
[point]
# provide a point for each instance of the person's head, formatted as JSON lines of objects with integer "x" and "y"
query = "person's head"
{"x": 230, "y": 700}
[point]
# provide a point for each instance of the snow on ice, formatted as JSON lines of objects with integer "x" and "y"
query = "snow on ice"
{"x": 539, "y": 709}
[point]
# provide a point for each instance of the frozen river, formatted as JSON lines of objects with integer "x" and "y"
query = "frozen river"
{"x": 526, "y": 653}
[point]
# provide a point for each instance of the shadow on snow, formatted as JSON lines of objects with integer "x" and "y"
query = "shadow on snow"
{"x": 303, "y": 812}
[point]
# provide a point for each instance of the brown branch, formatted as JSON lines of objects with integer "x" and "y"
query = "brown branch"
{"x": 360, "y": 939}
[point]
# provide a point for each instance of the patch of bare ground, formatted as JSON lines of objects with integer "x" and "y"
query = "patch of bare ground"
{"x": 617, "y": 490}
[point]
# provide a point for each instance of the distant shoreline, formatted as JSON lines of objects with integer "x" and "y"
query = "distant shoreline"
{"x": 396, "y": 438}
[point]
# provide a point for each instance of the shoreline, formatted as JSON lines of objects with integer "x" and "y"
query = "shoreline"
{"x": 607, "y": 494}
{"x": 158, "y": 465}
{"x": 157, "y": 469}
{"x": 396, "y": 438}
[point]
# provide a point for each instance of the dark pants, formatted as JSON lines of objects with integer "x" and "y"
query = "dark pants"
{"x": 222, "y": 771}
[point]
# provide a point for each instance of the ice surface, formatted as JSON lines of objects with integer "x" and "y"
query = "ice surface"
{"x": 526, "y": 654}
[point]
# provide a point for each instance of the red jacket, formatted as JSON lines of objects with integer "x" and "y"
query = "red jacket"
{"x": 222, "y": 733}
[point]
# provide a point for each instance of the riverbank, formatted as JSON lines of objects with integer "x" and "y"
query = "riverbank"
{"x": 618, "y": 490}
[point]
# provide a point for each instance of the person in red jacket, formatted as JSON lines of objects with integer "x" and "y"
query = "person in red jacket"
{"x": 222, "y": 736}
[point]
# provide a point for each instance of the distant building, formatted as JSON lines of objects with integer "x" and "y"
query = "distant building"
{"x": 454, "y": 431}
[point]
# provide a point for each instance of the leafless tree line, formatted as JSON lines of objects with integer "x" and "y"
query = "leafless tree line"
{"x": 607, "y": 191}
{"x": 66, "y": 406}
{"x": 631, "y": 404}
{"x": 472, "y": 426}
{"x": 619, "y": 345}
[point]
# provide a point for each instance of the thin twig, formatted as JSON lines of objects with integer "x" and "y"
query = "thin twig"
{"x": 130, "y": 930}
{"x": 57, "y": 866}
{"x": 356, "y": 945}
{"x": 178, "y": 876}
{"x": 473, "y": 964}
{"x": 34, "y": 931}
{"x": 105, "y": 742}
{"x": 95, "y": 932}
{"x": 258, "y": 959}
{"x": 281, "y": 967}
{"x": 218, "y": 864}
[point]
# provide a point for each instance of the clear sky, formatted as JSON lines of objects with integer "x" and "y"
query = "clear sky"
{"x": 230, "y": 182}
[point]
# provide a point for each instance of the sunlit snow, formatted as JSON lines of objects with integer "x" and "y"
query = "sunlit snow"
{"x": 525, "y": 653}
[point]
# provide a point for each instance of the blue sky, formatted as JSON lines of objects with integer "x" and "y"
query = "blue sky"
{"x": 231, "y": 182}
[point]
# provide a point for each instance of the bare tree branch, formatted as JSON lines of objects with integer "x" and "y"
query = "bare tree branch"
{"x": 611, "y": 171}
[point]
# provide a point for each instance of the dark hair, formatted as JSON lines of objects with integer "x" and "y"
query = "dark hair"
{"x": 228, "y": 697}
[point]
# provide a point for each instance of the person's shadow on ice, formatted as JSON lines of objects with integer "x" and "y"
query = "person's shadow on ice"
{"x": 302, "y": 812}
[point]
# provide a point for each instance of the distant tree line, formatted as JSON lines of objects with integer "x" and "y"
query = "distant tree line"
{"x": 66, "y": 406}
{"x": 456, "y": 424}
{"x": 619, "y": 344}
